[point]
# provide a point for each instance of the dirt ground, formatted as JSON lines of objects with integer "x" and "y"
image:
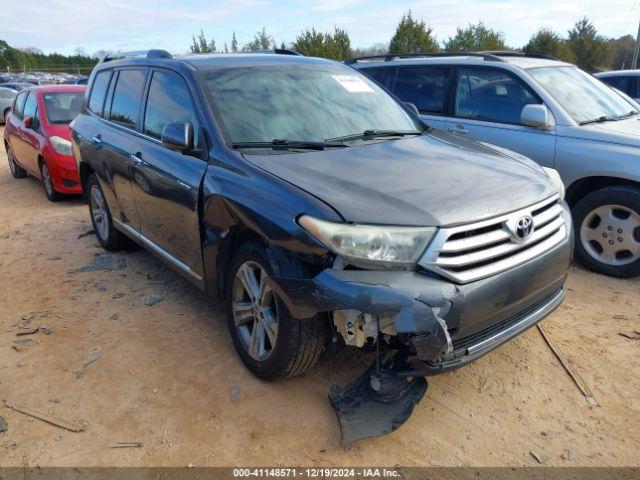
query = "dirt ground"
{"x": 165, "y": 373}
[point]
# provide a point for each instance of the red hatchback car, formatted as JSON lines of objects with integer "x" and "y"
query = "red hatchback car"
{"x": 37, "y": 137}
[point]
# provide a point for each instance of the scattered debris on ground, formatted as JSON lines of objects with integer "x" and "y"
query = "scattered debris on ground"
{"x": 45, "y": 417}
{"x": 631, "y": 336}
{"x": 127, "y": 445}
{"x": 88, "y": 233}
{"x": 46, "y": 329}
{"x": 102, "y": 261}
{"x": 148, "y": 300}
{"x": 577, "y": 379}
{"x": 539, "y": 456}
{"x": 235, "y": 391}
{"x": 26, "y": 331}
{"x": 93, "y": 355}
{"x": 3, "y": 425}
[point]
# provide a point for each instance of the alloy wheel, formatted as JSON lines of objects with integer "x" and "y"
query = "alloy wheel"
{"x": 255, "y": 311}
{"x": 46, "y": 180}
{"x": 99, "y": 212}
{"x": 12, "y": 163}
{"x": 611, "y": 234}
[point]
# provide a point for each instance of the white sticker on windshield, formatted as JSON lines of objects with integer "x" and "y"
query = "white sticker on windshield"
{"x": 352, "y": 83}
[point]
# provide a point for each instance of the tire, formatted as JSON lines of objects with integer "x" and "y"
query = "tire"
{"x": 47, "y": 183}
{"x": 110, "y": 238}
{"x": 16, "y": 170}
{"x": 4, "y": 115}
{"x": 297, "y": 344}
{"x": 607, "y": 224}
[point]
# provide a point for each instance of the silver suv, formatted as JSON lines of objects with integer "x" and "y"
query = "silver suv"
{"x": 547, "y": 110}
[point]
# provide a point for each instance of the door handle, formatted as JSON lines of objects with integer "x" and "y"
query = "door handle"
{"x": 97, "y": 140}
{"x": 458, "y": 129}
{"x": 137, "y": 161}
{"x": 184, "y": 185}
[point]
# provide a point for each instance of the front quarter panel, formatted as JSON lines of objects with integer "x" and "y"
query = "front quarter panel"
{"x": 238, "y": 195}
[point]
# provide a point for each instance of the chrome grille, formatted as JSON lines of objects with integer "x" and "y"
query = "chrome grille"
{"x": 471, "y": 252}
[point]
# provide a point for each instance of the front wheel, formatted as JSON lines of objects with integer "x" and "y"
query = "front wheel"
{"x": 110, "y": 238}
{"x": 271, "y": 343}
{"x": 47, "y": 184}
{"x": 607, "y": 224}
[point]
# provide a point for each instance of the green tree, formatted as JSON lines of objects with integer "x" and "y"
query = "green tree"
{"x": 548, "y": 42}
{"x": 336, "y": 46}
{"x": 234, "y": 43}
{"x": 622, "y": 52}
{"x": 476, "y": 37}
{"x": 591, "y": 50}
{"x": 201, "y": 45}
{"x": 261, "y": 41}
{"x": 413, "y": 36}
{"x": 33, "y": 59}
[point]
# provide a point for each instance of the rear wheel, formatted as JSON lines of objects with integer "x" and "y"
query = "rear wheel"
{"x": 271, "y": 343}
{"x": 5, "y": 114}
{"x": 607, "y": 224}
{"x": 16, "y": 170}
{"x": 47, "y": 183}
{"x": 110, "y": 238}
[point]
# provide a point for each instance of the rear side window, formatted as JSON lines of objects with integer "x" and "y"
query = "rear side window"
{"x": 168, "y": 101}
{"x": 127, "y": 97}
{"x": 624, "y": 84}
{"x": 491, "y": 95}
{"x": 424, "y": 86}
{"x": 98, "y": 91}
{"x": 376, "y": 74}
{"x": 19, "y": 105}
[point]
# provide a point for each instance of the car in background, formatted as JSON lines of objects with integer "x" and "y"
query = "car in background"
{"x": 37, "y": 137}
{"x": 17, "y": 86}
{"x": 7, "y": 96}
{"x": 624, "y": 80}
{"x": 550, "y": 111}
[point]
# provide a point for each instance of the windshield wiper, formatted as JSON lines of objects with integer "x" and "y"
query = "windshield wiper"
{"x": 377, "y": 134}
{"x": 282, "y": 144}
{"x": 628, "y": 114}
{"x": 599, "y": 120}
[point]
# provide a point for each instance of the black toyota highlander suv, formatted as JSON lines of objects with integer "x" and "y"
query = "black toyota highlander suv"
{"x": 320, "y": 208}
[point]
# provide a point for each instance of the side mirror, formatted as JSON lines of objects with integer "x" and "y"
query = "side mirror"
{"x": 28, "y": 122}
{"x": 178, "y": 136}
{"x": 412, "y": 107}
{"x": 536, "y": 116}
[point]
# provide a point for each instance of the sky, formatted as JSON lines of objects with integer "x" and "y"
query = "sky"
{"x": 63, "y": 25}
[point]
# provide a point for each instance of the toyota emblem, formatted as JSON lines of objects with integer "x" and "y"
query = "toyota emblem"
{"x": 524, "y": 228}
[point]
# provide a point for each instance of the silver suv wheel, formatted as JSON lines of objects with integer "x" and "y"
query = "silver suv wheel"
{"x": 255, "y": 311}
{"x": 610, "y": 234}
{"x": 99, "y": 212}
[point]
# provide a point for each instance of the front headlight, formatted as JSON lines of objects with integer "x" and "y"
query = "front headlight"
{"x": 60, "y": 145}
{"x": 370, "y": 245}
{"x": 554, "y": 176}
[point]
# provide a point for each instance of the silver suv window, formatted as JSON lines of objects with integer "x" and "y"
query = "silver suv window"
{"x": 491, "y": 95}
{"x": 585, "y": 98}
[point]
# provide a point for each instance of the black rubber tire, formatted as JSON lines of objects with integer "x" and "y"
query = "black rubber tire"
{"x": 50, "y": 193}
{"x": 4, "y": 115}
{"x": 16, "y": 170}
{"x": 114, "y": 239}
{"x": 615, "y": 195}
{"x": 299, "y": 343}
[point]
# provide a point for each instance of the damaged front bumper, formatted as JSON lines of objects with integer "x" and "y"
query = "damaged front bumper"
{"x": 445, "y": 325}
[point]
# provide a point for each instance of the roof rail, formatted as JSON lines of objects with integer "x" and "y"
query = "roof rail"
{"x": 278, "y": 51}
{"x": 154, "y": 53}
{"x": 389, "y": 57}
{"x": 515, "y": 53}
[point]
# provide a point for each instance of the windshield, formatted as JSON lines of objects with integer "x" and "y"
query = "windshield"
{"x": 302, "y": 102}
{"x": 583, "y": 97}
{"x": 61, "y": 108}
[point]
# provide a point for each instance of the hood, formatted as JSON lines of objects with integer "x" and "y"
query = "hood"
{"x": 436, "y": 179}
{"x": 622, "y": 132}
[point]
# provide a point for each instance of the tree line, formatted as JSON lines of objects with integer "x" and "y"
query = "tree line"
{"x": 582, "y": 44}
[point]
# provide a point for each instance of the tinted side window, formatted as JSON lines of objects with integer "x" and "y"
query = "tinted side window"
{"x": 30, "y": 106}
{"x": 98, "y": 90}
{"x": 424, "y": 86}
{"x": 19, "y": 105}
{"x": 623, "y": 84}
{"x": 169, "y": 100}
{"x": 127, "y": 97}
{"x": 492, "y": 95}
{"x": 376, "y": 74}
